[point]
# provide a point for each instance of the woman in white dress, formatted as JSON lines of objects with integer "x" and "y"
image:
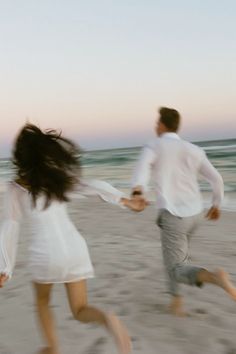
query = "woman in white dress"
{"x": 47, "y": 167}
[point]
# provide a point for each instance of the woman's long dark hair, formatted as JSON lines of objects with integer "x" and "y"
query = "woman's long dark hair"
{"x": 46, "y": 163}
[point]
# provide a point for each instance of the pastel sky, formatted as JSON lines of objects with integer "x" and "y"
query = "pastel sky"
{"x": 99, "y": 69}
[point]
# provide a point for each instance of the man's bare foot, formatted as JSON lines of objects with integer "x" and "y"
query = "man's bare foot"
{"x": 48, "y": 351}
{"x": 176, "y": 307}
{"x": 223, "y": 280}
{"x": 119, "y": 333}
{"x": 178, "y": 313}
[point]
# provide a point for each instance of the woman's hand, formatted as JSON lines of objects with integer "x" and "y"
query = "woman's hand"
{"x": 3, "y": 279}
{"x": 135, "y": 204}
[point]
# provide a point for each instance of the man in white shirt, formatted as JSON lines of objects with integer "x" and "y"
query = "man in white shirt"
{"x": 175, "y": 165}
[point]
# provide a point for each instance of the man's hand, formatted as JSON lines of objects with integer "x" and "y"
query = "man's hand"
{"x": 3, "y": 279}
{"x": 213, "y": 213}
{"x": 137, "y": 192}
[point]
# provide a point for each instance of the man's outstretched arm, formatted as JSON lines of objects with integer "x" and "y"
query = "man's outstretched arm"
{"x": 208, "y": 172}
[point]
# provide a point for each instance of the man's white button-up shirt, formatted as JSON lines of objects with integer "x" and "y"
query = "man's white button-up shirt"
{"x": 176, "y": 166}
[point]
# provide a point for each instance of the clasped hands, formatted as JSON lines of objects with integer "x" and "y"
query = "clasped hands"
{"x": 137, "y": 202}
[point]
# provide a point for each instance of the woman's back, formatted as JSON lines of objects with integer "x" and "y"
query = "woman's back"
{"x": 57, "y": 251}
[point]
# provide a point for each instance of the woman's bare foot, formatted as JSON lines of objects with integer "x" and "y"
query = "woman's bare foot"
{"x": 119, "y": 333}
{"x": 223, "y": 280}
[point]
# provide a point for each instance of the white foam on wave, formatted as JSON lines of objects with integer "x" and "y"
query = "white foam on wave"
{"x": 219, "y": 147}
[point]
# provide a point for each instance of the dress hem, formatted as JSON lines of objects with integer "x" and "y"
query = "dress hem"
{"x": 63, "y": 281}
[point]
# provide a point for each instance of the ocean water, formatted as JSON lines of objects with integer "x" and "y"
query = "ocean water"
{"x": 116, "y": 166}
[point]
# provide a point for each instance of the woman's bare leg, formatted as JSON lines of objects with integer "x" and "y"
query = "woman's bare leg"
{"x": 42, "y": 294}
{"x": 77, "y": 296}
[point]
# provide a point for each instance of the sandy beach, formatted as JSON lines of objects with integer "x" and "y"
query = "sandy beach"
{"x": 130, "y": 280}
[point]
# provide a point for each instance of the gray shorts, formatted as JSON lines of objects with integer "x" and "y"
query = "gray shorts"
{"x": 175, "y": 234}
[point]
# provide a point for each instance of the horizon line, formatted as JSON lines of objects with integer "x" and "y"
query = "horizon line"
{"x": 137, "y": 146}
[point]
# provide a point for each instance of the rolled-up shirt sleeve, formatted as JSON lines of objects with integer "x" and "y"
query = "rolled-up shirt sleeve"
{"x": 9, "y": 229}
{"x": 209, "y": 173}
{"x": 142, "y": 172}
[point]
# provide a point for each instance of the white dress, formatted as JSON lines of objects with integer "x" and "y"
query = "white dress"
{"x": 58, "y": 253}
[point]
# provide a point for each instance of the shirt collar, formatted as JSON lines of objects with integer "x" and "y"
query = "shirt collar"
{"x": 170, "y": 135}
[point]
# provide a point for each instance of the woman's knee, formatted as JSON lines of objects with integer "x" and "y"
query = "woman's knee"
{"x": 78, "y": 311}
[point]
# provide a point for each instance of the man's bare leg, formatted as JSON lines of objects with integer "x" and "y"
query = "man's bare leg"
{"x": 176, "y": 306}
{"x": 219, "y": 278}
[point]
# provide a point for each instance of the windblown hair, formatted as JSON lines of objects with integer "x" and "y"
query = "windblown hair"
{"x": 47, "y": 163}
{"x": 170, "y": 118}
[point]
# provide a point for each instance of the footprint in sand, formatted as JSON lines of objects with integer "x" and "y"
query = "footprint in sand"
{"x": 4, "y": 350}
{"x": 97, "y": 346}
{"x": 200, "y": 312}
{"x": 231, "y": 351}
{"x": 135, "y": 343}
{"x": 229, "y": 347}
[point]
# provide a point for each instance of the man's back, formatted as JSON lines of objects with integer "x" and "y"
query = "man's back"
{"x": 176, "y": 165}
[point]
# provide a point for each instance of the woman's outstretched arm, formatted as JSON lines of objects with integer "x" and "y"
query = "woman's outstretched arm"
{"x": 109, "y": 194}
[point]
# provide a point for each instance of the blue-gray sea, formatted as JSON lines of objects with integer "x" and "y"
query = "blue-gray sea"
{"x": 116, "y": 166}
